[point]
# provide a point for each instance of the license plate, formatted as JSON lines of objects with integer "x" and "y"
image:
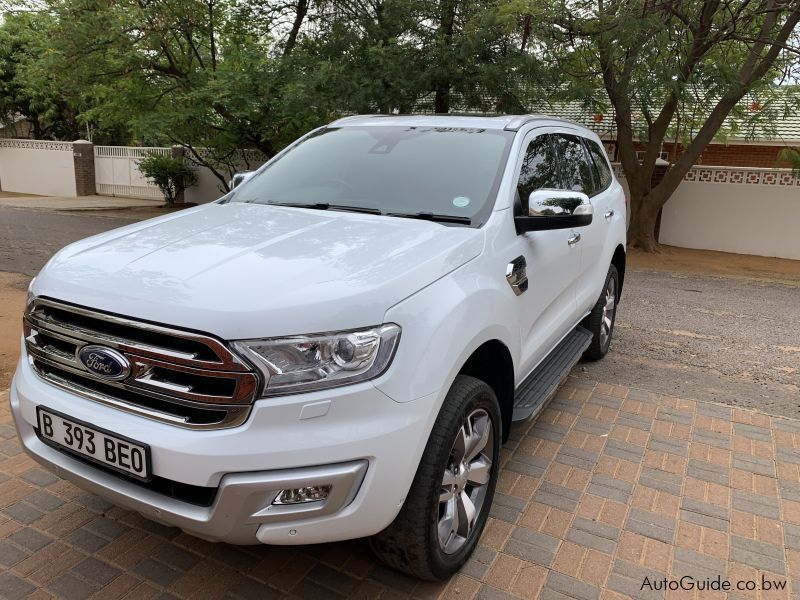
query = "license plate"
{"x": 96, "y": 444}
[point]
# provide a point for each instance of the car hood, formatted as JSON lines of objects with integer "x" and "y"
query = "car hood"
{"x": 245, "y": 270}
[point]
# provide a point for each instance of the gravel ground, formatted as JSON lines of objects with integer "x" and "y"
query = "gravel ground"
{"x": 710, "y": 338}
{"x": 727, "y": 339}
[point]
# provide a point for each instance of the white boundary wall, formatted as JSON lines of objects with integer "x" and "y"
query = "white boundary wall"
{"x": 744, "y": 211}
{"x": 37, "y": 167}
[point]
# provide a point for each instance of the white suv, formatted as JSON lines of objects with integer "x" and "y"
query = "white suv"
{"x": 338, "y": 347}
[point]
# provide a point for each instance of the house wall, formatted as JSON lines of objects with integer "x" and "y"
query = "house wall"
{"x": 37, "y": 167}
{"x": 731, "y": 155}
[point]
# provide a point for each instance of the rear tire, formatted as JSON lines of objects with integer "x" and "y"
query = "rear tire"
{"x": 601, "y": 320}
{"x": 446, "y": 508}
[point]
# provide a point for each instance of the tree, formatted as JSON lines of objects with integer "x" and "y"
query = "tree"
{"x": 671, "y": 69}
{"x": 26, "y": 91}
{"x": 171, "y": 175}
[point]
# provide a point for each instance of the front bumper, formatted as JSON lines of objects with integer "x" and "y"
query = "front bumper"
{"x": 356, "y": 438}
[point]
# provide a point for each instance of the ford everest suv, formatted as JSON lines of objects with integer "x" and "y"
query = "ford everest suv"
{"x": 337, "y": 347}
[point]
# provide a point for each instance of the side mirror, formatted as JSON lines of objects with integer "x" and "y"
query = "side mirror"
{"x": 239, "y": 178}
{"x": 555, "y": 209}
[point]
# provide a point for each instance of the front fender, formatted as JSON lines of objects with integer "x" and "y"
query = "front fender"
{"x": 442, "y": 325}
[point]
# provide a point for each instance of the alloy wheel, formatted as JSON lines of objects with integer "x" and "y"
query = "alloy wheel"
{"x": 465, "y": 480}
{"x": 608, "y": 312}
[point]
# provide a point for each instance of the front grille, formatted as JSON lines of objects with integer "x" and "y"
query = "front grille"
{"x": 185, "y": 378}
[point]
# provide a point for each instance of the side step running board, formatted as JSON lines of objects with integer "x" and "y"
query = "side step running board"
{"x": 539, "y": 387}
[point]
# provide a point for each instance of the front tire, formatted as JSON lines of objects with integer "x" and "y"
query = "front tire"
{"x": 601, "y": 320}
{"x": 446, "y": 509}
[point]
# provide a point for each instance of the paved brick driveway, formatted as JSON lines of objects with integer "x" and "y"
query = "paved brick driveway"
{"x": 611, "y": 485}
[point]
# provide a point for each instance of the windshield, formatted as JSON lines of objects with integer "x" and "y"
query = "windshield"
{"x": 408, "y": 170}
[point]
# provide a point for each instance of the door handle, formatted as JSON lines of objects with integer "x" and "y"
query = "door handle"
{"x": 574, "y": 239}
{"x": 609, "y": 214}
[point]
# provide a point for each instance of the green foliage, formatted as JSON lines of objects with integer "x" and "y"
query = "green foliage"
{"x": 171, "y": 175}
{"x": 792, "y": 157}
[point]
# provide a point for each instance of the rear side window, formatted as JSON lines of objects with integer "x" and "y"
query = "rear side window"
{"x": 539, "y": 169}
{"x": 599, "y": 158}
{"x": 577, "y": 173}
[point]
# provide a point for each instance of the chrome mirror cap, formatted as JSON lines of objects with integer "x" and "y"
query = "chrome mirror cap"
{"x": 558, "y": 203}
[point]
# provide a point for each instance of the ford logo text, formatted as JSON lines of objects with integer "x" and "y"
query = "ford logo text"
{"x": 104, "y": 362}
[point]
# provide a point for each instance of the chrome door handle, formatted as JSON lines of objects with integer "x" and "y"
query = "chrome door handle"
{"x": 576, "y": 237}
{"x": 609, "y": 214}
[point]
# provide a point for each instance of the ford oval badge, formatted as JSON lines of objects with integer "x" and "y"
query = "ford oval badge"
{"x": 104, "y": 362}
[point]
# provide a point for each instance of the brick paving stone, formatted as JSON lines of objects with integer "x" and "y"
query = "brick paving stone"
{"x": 712, "y": 438}
{"x": 527, "y": 465}
{"x": 96, "y": 571}
{"x": 662, "y": 443}
{"x": 591, "y": 426}
{"x": 532, "y": 546}
{"x": 674, "y": 415}
{"x": 696, "y": 564}
{"x": 704, "y": 514}
{"x": 12, "y": 586}
{"x": 548, "y": 431}
{"x": 559, "y": 585}
{"x": 756, "y": 504}
{"x": 651, "y": 524}
{"x": 157, "y": 572}
{"x": 791, "y": 536}
{"x": 31, "y": 539}
{"x": 22, "y": 512}
{"x": 557, "y": 496}
{"x": 11, "y": 554}
{"x": 661, "y": 480}
{"x": 594, "y": 535}
{"x": 71, "y": 587}
{"x": 624, "y": 450}
{"x": 628, "y": 579}
{"x": 576, "y": 457}
{"x": 757, "y": 554}
{"x": 38, "y": 476}
{"x": 635, "y": 421}
{"x": 706, "y": 471}
{"x": 753, "y": 432}
{"x": 608, "y": 487}
{"x": 753, "y": 464}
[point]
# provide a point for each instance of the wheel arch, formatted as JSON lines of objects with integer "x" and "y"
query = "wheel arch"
{"x": 491, "y": 362}
{"x": 618, "y": 260}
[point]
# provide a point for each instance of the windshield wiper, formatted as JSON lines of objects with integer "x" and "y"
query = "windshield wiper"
{"x": 328, "y": 206}
{"x": 429, "y": 216}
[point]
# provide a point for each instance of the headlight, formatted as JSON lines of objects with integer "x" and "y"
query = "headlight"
{"x": 29, "y": 297}
{"x": 313, "y": 362}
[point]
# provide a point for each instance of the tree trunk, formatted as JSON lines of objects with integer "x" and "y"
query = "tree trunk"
{"x": 641, "y": 233}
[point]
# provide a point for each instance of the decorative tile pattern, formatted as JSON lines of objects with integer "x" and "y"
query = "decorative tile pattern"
{"x": 36, "y": 145}
{"x": 734, "y": 175}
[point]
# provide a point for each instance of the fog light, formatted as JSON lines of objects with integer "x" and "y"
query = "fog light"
{"x": 313, "y": 493}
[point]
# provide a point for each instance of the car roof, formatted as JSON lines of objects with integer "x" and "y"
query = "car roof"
{"x": 499, "y": 122}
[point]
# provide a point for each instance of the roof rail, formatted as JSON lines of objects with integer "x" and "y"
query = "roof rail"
{"x": 520, "y": 121}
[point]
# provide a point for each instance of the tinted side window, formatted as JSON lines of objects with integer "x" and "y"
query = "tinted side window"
{"x": 539, "y": 169}
{"x": 603, "y": 168}
{"x": 576, "y": 171}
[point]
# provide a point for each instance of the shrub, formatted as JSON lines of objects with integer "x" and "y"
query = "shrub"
{"x": 171, "y": 175}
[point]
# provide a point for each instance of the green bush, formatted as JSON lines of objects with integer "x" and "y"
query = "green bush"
{"x": 171, "y": 175}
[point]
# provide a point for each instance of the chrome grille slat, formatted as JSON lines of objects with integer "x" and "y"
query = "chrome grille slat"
{"x": 209, "y": 388}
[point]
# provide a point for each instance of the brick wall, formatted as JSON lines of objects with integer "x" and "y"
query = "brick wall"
{"x": 733, "y": 155}
{"x": 83, "y": 157}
